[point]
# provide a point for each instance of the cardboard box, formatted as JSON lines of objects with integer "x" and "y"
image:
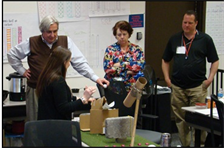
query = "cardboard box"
{"x": 84, "y": 120}
{"x": 95, "y": 121}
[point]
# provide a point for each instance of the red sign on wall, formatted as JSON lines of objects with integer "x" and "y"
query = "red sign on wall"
{"x": 136, "y": 20}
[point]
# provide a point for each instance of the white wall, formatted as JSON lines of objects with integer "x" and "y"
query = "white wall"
{"x": 215, "y": 29}
{"x": 136, "y": 7}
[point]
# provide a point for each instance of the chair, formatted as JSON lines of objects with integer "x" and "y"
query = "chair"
{"x": 52, "y": 133}
{"x": 220, "y": 110}
{"x": 216, "y": 84}
{"x": 116, "y": 92}
{"x": 218, "y": 81}
{"x": 149, "y": 97}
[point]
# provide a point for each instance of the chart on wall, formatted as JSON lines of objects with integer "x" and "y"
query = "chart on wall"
{"x": 215, "y": 24}
{"x": 16, "y": 29}
{"x": 66, "y": 11}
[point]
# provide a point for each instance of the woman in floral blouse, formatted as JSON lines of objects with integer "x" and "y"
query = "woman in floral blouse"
{"x": 123, "y": 60}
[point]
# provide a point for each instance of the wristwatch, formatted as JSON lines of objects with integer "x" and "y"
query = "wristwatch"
{"x": 83, "y": 100}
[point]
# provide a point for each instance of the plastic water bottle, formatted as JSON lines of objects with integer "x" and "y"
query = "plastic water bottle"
{"x": 220, "y": 93}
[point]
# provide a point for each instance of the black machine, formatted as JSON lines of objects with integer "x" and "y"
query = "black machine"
{"x": 17, "y": 87}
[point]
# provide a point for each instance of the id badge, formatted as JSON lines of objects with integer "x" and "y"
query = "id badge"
{"x": 180, "y": 50}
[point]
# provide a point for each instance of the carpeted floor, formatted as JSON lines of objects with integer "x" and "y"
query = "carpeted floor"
{"x": 176, "y": 142}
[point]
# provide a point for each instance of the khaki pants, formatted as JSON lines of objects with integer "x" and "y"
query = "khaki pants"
{"x": 31, "y": 104}
{"x": 186, "y": 97}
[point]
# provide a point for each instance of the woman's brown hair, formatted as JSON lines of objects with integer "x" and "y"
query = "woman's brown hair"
{"x": 123, "y": 25}
{"x": 54, "y": 68}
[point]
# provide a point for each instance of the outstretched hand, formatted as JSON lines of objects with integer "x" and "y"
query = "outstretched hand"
{"x": 89, "y": 90}
{"x": 102, "y": 81}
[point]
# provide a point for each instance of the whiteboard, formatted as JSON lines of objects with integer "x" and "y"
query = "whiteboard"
{"x": 91, "y": 32}
{"x": 215, "y": 23}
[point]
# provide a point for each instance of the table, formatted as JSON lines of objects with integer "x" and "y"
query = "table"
{"x": 99, "y": 140}
{"x": 152, "y": 136}
{"x": 13, "y": 109}
{"x": 17, "y": 109}
{"x": 200, "y": 120}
